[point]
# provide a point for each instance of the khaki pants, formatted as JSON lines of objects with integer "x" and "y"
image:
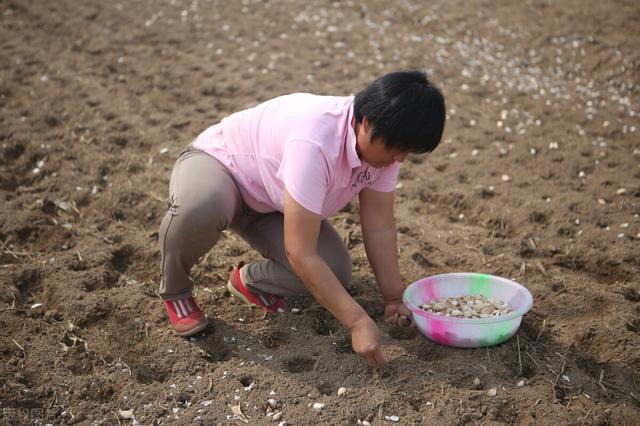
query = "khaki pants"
{"x": 204, "y": 201}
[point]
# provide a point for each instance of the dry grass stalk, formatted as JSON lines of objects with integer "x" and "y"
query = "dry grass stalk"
{"x": 15, "y": 254}
{"x": 600, "y": 381}
{"x": 519, "y": 357}
{"x": 544, "y": 325}
{"x": 18, "y": 344}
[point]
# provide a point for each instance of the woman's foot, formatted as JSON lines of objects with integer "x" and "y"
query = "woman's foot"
{"x": 185, "y": 316}
{"x": 267, "y": 302}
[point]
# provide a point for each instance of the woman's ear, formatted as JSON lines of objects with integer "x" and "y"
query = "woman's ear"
{"x": 366, "y": 126}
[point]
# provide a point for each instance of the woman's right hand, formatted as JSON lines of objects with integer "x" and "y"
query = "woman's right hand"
{"x": 365, "y": 339}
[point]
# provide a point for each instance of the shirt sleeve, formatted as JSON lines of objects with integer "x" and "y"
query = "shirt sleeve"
{"x": 305, "y": 173}
{"x": 387, "y": 180}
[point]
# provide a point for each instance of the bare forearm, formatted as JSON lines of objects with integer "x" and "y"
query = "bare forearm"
{"x": 327, "y": 289}
{"x": 382, "y": 251}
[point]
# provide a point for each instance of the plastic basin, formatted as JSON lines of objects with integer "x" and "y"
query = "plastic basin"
{"x": 467, "y": 332}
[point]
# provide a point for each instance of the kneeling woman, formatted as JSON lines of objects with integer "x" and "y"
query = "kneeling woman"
{"x": 274, "y": 173}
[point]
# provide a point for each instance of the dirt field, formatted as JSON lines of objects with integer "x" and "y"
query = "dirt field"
{"x": 537, "y": 179}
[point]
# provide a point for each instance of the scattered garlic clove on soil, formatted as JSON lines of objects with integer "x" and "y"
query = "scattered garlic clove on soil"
{"x": 126, "y": 414}
{"x": 277, "y": 416}
{"x": 520, "y": 384}
{"x": 318, "y": 406}
{"x": 392, "y": 418}
{"x": 342, "y": 391}
{"x": 492, "y": 392}
{"x": 476, "y": 383}
{"x": 273, "y": 403}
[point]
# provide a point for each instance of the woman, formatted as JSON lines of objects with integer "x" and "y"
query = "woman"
{"x": 274, "y": 174}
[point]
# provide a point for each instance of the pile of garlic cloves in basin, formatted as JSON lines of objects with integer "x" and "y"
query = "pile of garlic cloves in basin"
{"x": 476, "y": 306}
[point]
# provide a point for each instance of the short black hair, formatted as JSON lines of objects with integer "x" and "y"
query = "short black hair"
{"x": 405, "y": 109}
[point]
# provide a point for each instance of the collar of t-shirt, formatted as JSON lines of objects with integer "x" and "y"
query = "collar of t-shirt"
{"x": 352, "y": 154}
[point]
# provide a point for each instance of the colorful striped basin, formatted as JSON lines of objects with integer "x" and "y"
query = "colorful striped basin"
{"x": 467, "y": 332}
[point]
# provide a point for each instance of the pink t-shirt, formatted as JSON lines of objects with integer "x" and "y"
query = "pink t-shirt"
{"x": 302, "y": 142}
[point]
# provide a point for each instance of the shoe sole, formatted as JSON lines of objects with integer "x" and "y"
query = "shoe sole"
{"x": 243, "y": 299}
{"x": 239, "y": 295}
{"x": 194, "y": 330}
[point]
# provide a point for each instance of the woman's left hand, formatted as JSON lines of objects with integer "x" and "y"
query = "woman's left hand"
{"x": 397, "y": 314}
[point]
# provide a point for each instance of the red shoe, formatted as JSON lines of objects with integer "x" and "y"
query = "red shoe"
{"x": 185, "y": 316}
{"x": 267, "y": 302}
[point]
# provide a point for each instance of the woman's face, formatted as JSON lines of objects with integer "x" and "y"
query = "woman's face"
{"x": 373, "y": 152}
